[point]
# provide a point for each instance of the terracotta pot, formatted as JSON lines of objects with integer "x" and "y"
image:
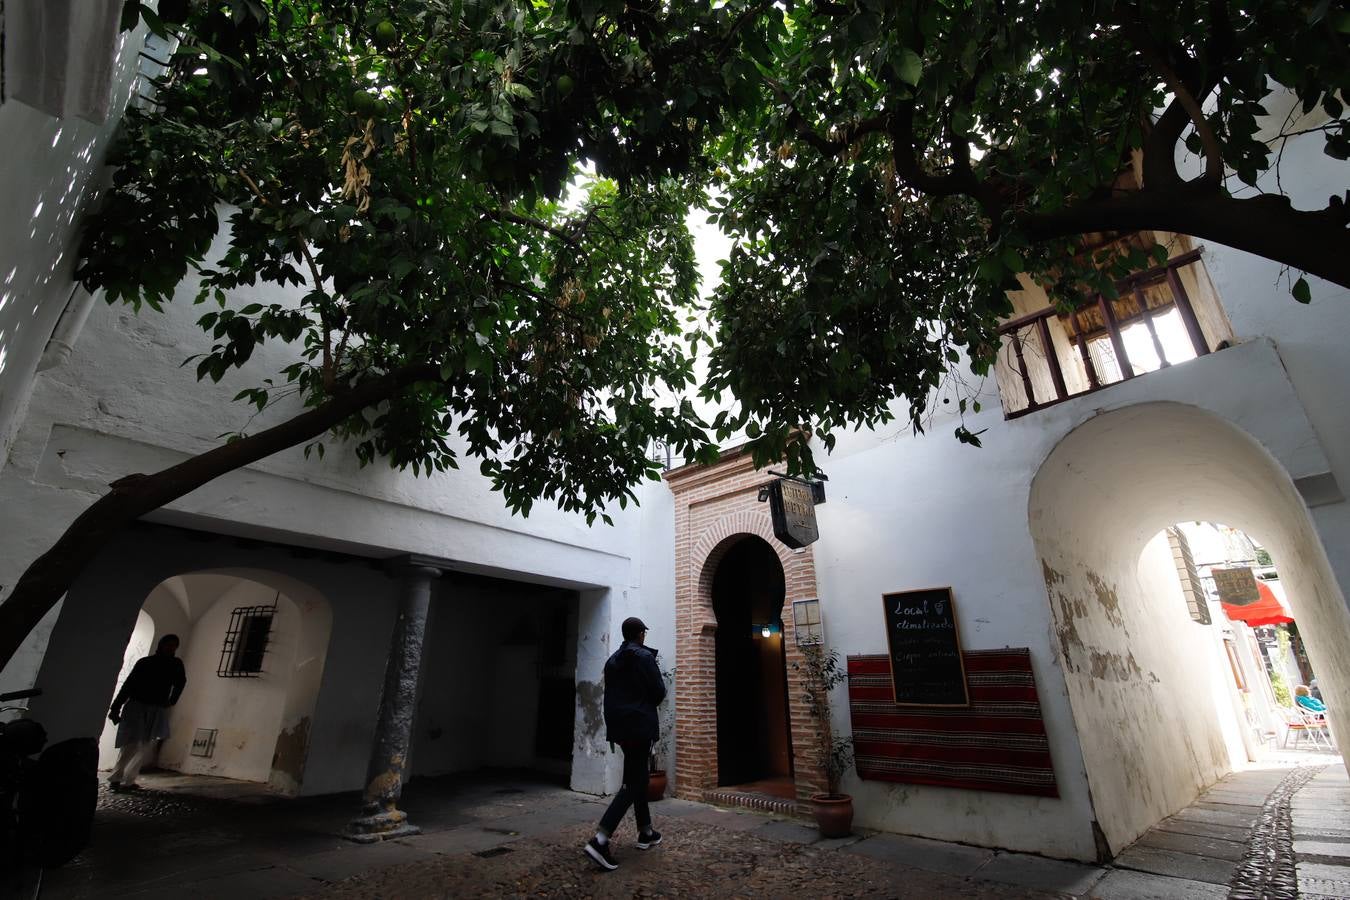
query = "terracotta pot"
{"x": 656, "y": 785}
{"x": 834, "y": 814}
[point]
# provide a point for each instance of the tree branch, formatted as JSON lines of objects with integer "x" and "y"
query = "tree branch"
{"x": 961, "y": 180}
{"x": 1314, "y": 241}
{"x": 329, "y": 361}
{"x": 329, "y": 369}
{"x": 48, "y": 579}
{"x": 503, "y": 215}
{"x": 1213, "y": 174}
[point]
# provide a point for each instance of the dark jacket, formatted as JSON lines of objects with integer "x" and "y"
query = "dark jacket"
{"x": 155, "y": 680}
{"x": 633, "y": 690}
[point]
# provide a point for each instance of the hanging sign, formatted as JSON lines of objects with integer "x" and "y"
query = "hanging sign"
{"x": 927, "y": 668}
{"x": 1236, "y": 587}
{"x": 792, "y": 506}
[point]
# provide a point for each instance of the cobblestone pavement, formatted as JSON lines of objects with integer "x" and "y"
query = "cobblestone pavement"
{"x": 693, "y": 860}
{"x": 505, "y": 835}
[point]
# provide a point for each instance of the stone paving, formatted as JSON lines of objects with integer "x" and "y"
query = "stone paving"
{"x": 1321, "y": 822}
{"x": 505, "y": 835}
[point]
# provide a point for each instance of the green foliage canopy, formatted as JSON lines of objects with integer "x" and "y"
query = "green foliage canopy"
{"x": 888, "y": 171}
{"x": 405, "y": 166}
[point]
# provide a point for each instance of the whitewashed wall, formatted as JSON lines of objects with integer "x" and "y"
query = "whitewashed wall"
{"x": 49, "y": 175}
{"x": 245, "y": 712}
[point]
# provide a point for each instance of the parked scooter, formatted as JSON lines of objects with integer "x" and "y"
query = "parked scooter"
{"x": 46, "y": 804}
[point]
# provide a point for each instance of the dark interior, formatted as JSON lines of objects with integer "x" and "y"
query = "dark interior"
{"x": 753, "y": 735}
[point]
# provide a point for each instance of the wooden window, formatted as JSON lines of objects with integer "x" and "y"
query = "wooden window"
{"x": 1049, "y": 356}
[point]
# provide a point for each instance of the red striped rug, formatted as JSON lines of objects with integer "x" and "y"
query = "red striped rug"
{"x": 998, "y": 743}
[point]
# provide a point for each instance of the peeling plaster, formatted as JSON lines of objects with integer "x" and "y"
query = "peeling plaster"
{"x": 1052, "y": 577}
{"x": 289, "y": 757}
{"x": 1106, "y": 596}
{"x": 1115, "y": 667}
{"x": 591, "y": 703}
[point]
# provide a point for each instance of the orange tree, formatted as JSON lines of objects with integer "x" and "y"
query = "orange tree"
{"x": 885, "y": 170}
{"x": 898, "y": 165}
{"x": 411, "y": 173}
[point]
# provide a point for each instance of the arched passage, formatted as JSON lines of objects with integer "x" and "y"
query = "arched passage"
{"x": 1126, "y": 647}
{"x": 257, "y": 694}
{"x": 754, "y": 740}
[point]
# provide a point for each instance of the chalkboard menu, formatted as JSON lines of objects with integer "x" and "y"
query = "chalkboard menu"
{"x": 925, "y": 649}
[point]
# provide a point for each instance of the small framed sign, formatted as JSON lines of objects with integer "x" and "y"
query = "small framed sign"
{"x": 204, "y": 742}
{"x": 924, "y": 643}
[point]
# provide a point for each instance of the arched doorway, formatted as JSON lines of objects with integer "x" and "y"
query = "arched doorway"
{"x": 754, "y": 738}
{"x": 1128, "y": 647}
{"x": 253, "y": 644}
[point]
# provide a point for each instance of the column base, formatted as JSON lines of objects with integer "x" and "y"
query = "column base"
{"x": 382, "y": 826}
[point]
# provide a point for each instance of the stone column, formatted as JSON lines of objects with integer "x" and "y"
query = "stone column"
{"x": 381, "y": 818}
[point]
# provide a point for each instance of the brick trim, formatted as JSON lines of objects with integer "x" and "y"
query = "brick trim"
{"x": 716, "y": 507}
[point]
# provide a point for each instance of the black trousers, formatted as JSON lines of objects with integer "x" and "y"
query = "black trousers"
{"x": 633, "y": 792}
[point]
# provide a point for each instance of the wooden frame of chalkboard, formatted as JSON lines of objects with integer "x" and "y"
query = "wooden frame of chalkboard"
{"x": 945, "y": 614}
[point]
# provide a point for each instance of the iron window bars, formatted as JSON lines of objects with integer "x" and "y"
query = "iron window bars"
{"x": 246, "y": 641}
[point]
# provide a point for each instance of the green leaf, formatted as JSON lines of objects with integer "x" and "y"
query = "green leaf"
{"x": 909, "y": 67}
{"x": 1302, "y": 293}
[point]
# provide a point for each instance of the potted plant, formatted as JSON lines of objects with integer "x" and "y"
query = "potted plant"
{"x": 822, "y": 673}
{"x": 657, "y": 780}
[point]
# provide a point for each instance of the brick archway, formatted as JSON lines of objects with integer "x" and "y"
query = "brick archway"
{"x": 716, "y": 507}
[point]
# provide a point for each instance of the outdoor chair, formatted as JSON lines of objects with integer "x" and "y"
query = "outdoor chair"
{"x": 1302, "y": 722}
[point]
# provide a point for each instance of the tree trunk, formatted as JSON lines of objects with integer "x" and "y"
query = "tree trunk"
{"x": 49, "y": 577}
{"x": 1316, "y": 242}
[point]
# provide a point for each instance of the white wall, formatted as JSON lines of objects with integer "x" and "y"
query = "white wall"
{"x": 924, "y": 513}
{"x": 49, "y": 175}
{"x": 907, "y": 512}
{"x": 246, "y": 712}
{"x": 1255, "y": 293}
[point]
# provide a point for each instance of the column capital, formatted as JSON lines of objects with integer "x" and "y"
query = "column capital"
{"x": 413, "y": 565}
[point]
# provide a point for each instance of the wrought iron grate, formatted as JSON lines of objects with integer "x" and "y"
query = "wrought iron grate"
{"x": 246, "y": 641}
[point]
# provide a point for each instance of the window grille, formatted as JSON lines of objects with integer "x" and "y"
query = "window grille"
{"x": 246, "y": 641}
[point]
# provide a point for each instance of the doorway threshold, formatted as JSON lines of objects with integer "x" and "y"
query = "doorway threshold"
{"x": 776, "y": 795}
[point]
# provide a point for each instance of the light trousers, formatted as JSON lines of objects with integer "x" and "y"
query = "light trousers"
{"x": 130, "y": 758}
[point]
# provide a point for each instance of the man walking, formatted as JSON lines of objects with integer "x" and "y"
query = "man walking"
{"x": 633, "y": 690}
{"x": 141, "y": 710}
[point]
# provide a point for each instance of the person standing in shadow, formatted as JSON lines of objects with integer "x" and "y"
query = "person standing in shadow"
{"x": 141, "y": 710}
{"x": 633, "y": 690}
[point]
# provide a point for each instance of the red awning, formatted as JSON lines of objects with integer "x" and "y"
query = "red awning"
{"x": 1265, "y": 611}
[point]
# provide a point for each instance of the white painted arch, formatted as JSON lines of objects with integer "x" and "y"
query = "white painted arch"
{"x": 1097, "y": 500}
{"x": 263, "y": 724}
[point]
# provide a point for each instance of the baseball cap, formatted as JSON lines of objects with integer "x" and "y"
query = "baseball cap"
{"x": 632, "y": 627}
